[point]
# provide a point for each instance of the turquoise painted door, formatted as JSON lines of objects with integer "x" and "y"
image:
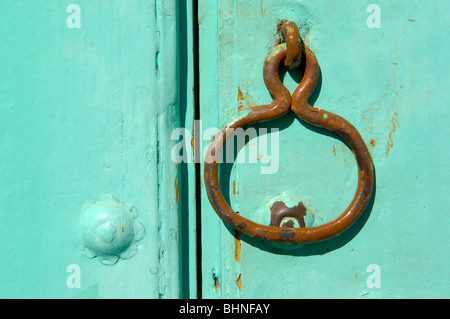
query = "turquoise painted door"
{"x": 383, "y": 68}
{"x": 89, "y": 196}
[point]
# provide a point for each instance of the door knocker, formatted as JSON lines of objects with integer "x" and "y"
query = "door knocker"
{"x": 291, "y": 52}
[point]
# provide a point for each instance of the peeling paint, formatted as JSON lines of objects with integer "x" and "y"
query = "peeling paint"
{"x": 216, "y": 283}
{"x": 244, "y": 100}
{"x": 390, "y": 142}
{"x": 237, "y": 251}
{"x": 177, "y": 191}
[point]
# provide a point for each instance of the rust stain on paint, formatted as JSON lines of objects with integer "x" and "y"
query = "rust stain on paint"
{"x": 240, "y": 99}
{"x": 234, "y": 188}
{"x": 372, "y": 142}
{"x": 193, "y": 139}
{"x": 240, "y": 95}
{"x": 239, "y": 282}
{"x": 237, "y": 249}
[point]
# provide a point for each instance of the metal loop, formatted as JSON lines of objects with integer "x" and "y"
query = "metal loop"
{"x": 291, "y": 52}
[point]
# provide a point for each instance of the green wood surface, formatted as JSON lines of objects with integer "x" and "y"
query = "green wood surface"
{"x": 85, "y": 112}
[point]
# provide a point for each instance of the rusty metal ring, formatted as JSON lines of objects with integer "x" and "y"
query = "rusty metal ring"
{"x": 281, "y": 103}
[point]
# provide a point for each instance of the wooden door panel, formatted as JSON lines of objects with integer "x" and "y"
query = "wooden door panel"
{"x": 369, "y": 76}
{"x": 89, "y": 99}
